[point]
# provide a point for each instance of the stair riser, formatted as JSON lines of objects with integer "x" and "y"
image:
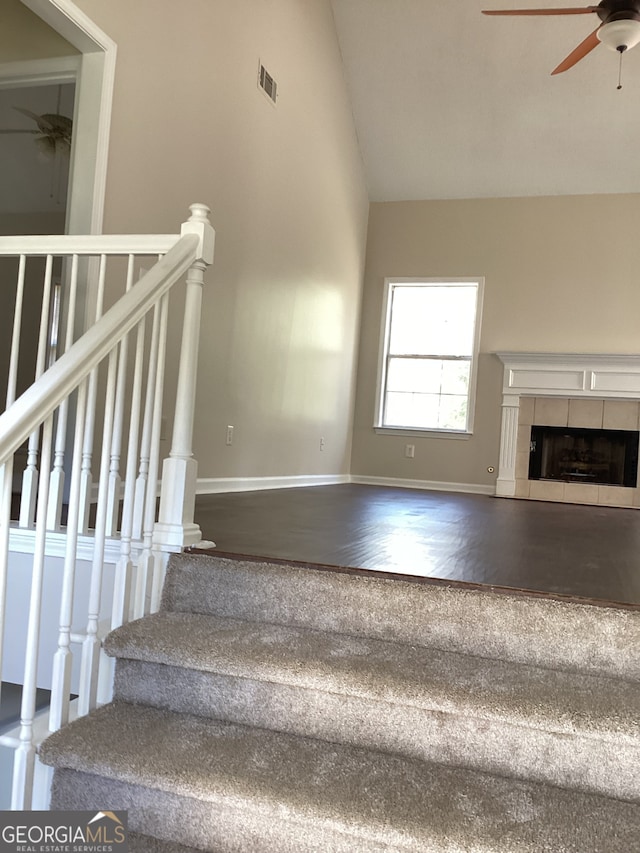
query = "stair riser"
{"x": 490, "y": 745}
{"x": 223, "y": 827}
{"x": 523, "y": 629}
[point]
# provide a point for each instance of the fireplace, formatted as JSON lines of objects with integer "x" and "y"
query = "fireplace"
{"x": 580, "y": 455}
{"x": 581, "y": 414}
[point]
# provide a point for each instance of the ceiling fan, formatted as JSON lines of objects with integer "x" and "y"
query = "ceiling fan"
{"x": 54, "y": 131}
{"x": 53, "y": 139}
{"x": 619, "y": 28}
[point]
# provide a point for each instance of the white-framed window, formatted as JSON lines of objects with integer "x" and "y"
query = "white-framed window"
{"x": 429, "y": 351}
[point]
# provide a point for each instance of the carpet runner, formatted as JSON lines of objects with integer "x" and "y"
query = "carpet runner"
{"x": 275, "y": 708}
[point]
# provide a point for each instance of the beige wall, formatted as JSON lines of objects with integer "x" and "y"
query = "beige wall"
{"x": 286, "y": 187}
{"x": 23, "y": 35}
{"x": 561, "y": 274}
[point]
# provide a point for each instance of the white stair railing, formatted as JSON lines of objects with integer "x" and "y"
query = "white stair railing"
{"x": 102, "y": 398}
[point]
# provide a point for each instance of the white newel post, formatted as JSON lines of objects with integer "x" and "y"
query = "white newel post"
{"x": 175, "y": 528}
{"x": 506, "y": 482}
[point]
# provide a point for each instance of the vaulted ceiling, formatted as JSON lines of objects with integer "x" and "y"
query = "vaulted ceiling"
{"x": 450, "y": 103}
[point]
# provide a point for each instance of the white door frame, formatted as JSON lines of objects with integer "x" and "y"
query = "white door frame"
{"x": 94, "y": 71}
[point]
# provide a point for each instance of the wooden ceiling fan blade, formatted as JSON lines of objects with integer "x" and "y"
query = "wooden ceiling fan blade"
{"x": 583, "y": 10}
{"x": 585, "y": 47}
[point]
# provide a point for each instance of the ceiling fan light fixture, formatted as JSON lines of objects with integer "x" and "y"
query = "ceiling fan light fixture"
{"x": 620, "y": 35}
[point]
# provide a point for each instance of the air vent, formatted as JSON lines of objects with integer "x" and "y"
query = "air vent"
{"x": 267, "y": 84}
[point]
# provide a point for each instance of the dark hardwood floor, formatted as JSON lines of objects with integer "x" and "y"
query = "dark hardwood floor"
{"x": 579, "y": 551}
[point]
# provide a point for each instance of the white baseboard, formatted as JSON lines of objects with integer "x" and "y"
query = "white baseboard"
{"x": 429, "y": 485}
{"x": 220, "y": 485}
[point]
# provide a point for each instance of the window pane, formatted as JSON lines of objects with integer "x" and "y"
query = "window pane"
{"x": 455, "y": 377}
{"x": 398, "y": 410}
{"x": 419, "y": 410}
{"x": 453, "y": 412}
{"x": 414, "y": 374}
{"x": 433, "y": 320}
{"x": 428, "y": 375}
{"x": 426, "y": 411}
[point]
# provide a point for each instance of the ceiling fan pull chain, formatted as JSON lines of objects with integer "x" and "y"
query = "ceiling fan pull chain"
{"x": 621, "y": 50}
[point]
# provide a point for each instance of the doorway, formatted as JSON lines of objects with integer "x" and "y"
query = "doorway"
{"x": 93, "y": 68}
{"x": 78, "y": 86}
{"x": 36, "y": 126}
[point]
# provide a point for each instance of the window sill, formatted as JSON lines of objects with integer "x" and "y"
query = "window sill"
{"x": 424, "y": 433}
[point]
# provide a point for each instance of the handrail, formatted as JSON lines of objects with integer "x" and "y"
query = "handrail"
{"x": 63, "y": 377}
{"x": 87, "y": 244}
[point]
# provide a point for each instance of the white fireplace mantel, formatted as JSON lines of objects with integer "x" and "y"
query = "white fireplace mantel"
{"x": 571, "y": 375}
{"x": 581, "y": 375}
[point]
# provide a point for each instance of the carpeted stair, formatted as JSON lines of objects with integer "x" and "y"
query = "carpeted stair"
{"x": 271, "y": 707}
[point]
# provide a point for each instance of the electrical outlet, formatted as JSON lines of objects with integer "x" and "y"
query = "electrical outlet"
{"x": 410, "y": 451}
{"x": 229, "y": 435}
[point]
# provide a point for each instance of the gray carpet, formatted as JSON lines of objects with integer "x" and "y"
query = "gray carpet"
{"x": 280, "y": 708}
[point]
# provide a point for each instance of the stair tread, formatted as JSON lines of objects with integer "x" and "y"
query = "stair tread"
{"x": 423, "y": 677}
{"x": 529, "y": 629}
{"x": 371, "y": 796}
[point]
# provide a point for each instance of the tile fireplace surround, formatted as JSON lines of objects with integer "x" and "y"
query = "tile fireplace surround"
{"x": 576, "y": 390}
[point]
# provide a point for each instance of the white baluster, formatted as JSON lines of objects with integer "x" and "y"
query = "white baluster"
{"x": 149, "y": 567}
{"x": 113, "y": 499}
{"x": 63, "y": 658}
{"x": 56, "y": 487}
{"x": 91, "y": 645}
{"x": 12, "y": 379}
{"x": 86, "y": 476}
{"x": 6, "y": 476}
{"x": 24, "y": 760}
{"x": 86, "y": 479}
{"x": 145, "y": 442}
{"x": 175, "y": 527}
{"x": 122, "y": 604}
{"x": 29, "y": 484}
{"x": 7, "y": 468}
{"x": 30, "y": 475}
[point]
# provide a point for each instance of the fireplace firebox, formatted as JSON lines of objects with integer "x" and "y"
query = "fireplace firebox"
{"x": 600, "y": 456}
